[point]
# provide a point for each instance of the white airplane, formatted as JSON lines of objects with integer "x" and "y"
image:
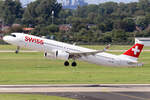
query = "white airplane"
{"x": 58, "y": 50}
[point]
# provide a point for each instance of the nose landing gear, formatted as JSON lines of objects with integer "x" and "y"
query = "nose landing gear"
{"x": 17, "y": 51}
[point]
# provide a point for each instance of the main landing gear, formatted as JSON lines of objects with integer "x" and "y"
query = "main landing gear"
{"x": 74, "y": 64}
{"x": 66, "y": 63}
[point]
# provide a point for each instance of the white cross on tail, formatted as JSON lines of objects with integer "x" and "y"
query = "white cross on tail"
{"x": 135, "y": 50}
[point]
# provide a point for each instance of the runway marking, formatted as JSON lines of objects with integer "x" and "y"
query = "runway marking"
{"x": 125, "y": 95}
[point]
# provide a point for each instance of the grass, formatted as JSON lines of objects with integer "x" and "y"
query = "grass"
{"x": 33, "y": 68}
{"x": 9, "y": 47}
{"x": 30, "y": 97}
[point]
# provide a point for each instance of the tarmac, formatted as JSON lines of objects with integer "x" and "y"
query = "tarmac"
{"x": 84, "y": 91}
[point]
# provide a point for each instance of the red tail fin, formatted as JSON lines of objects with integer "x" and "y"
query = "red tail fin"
{"x": 135, "y": 50}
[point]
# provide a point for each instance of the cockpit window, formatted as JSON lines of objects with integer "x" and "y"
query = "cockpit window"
{"x": 13, "y": 35}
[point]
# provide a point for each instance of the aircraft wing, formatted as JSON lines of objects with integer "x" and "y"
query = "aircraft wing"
{"x": 81, "y": 54}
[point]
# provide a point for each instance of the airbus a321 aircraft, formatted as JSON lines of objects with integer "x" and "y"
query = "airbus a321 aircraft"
{"x": 58, "y": 50}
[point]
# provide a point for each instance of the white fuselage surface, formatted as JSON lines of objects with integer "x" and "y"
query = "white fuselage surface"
{"x": 63, "y": 51}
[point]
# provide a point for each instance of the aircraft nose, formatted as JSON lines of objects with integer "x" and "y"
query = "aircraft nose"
{"x": 7, "y": 39}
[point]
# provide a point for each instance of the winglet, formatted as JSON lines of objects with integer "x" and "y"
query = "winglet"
{"x": 74, "y": 44}
{"x": 107, "y": 47}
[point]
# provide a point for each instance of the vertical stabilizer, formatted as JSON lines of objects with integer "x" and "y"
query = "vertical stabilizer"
{"x": 135, "y": 51}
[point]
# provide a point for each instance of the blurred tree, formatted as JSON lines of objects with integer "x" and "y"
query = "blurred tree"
{"x": 144, "y": 4}
{"x": 108, "y": 7}
{"x": 107, "y": 37}
{"x": 127, "y": 24}
{"x": 119, "y": 36}
{"x": 40, "y": 12}
{"x": 64, "y": 14}
{"x": 52, "y": 28}
{"x": 78, "y": 24}
{"x": 11, "y": 11}
{"x": 141, "y": 22}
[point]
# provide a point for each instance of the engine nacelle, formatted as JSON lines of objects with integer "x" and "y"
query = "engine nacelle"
{"x": 57, "y": 54}
{"x": 49, "y": 56}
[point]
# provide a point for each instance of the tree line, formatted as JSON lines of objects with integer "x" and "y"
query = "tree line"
{"x": 109, "y": 22}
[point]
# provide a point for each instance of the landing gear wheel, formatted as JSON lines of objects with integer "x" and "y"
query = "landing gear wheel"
{"x": 66, "y": 63}
{"x": 74, "y": 64}
{"x": 16, "y": 51}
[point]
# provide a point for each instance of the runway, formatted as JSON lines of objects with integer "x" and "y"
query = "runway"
{"x": 84, "y": 91}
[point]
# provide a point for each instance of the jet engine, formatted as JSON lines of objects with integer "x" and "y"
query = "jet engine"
{"x": 57, "y": 54}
